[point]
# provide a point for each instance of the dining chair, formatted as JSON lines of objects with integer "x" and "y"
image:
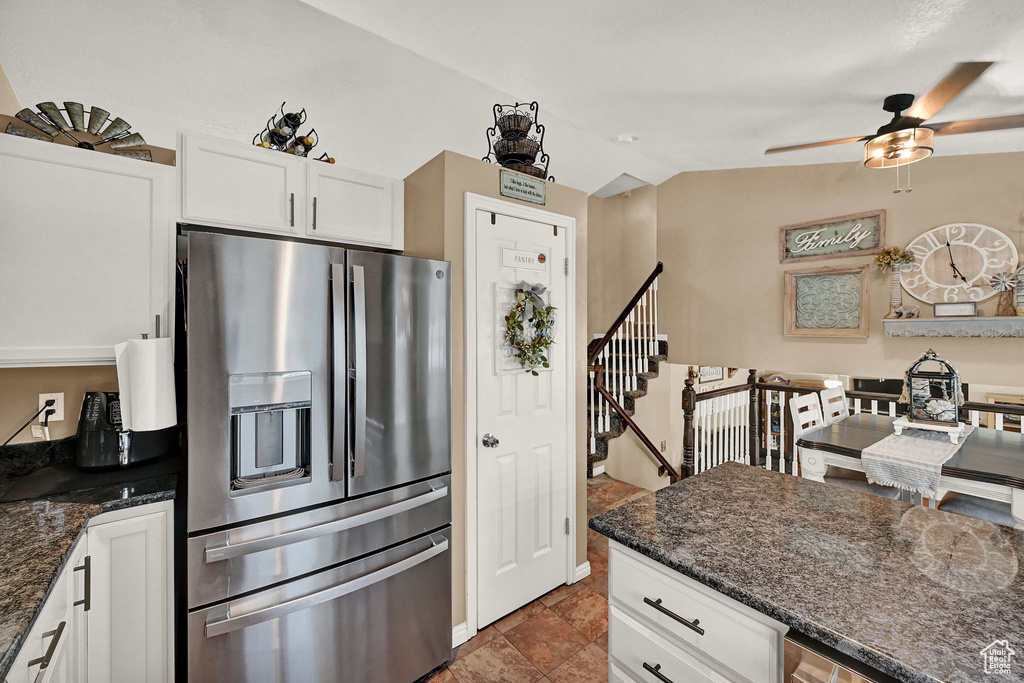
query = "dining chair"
{"x": 980, "y": 508}
{"x": 807, "y": 416}
{"x": 833, "y": 405}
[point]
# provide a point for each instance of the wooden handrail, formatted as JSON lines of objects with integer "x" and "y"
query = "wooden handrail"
{"x": 625, "y": 313}
{"x": 1005, "y": 408}
{"x": 665, "y": 467}
{"x": 722, "y": 391}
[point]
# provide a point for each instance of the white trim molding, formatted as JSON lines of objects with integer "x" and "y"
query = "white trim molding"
{"x": 474, "y": 203}
{"x": 460, "y": 634}
{"x": 581, "y": 572}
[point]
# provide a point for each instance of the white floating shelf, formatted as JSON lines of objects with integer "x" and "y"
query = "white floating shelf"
{"x": 955, "y": 327}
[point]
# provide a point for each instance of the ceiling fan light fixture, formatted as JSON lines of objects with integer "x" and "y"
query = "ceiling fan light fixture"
{"x": 899, "y": 147}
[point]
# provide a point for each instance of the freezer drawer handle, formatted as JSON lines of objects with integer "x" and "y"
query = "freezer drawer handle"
{"x": 656, "y": 670}
{"x": 219, "y": 627}
{"x": 692, "y": 625}
{"x": 227, "y": 551}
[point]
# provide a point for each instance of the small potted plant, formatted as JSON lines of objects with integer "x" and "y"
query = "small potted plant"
{"x": 893, "y": 259}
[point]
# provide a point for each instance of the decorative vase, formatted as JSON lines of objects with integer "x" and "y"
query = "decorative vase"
{"x": 895, "y": 292}
{"x": 1004, "y": 306}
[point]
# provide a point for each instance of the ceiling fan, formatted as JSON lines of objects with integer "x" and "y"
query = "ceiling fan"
{"x": 907, "y": 138}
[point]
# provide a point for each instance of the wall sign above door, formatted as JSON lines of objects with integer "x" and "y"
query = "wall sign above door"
{"x": 859, "y": 234}
{"x": 525, "y": 260}
{"x": 523, "y": 188}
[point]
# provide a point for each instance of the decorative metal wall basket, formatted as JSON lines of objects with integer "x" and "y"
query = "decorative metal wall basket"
{"x": 932, "y": 389}
{"x": 516, "y": 140}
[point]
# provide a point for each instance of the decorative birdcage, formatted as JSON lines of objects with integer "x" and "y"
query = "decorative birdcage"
{"x": 934, "y": 395}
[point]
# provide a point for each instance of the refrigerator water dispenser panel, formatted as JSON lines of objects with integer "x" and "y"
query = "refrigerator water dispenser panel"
{"x": 270, "y": 413}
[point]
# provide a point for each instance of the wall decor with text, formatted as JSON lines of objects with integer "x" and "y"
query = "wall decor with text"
{"x": 859, "y": 234}
{"x": 827, "y": 302}
{"x": 711, "y": 373}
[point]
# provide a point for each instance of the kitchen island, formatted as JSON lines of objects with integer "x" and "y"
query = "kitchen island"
{"x": 914, "y": 593}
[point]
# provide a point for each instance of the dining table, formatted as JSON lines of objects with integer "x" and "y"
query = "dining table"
{"x": 989, "y": 464}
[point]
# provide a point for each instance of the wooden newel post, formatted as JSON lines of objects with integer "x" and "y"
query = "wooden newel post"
{"x": 753, "y": 454}
{"x": 689, "y": 437}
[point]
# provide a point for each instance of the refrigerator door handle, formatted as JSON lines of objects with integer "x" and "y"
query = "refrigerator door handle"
{"x": 359, "y": 370}
{"x": 339, "y": 437}
{"x": 227, "y": 624}
{"x": 226, "y": 551}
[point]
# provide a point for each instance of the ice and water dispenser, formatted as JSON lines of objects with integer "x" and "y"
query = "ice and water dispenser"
{"x": 270, "y": 414}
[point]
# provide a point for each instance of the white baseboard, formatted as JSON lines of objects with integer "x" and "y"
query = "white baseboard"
{"x": 460, "y": 633}
{"x": 599, "y": 470}
{"x": 582, "y": 572}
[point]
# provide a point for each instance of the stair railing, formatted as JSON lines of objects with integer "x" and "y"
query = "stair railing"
{"x": 616, "y": 362}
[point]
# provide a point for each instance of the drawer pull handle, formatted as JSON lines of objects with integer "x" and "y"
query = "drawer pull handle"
{"x": 692, "y": 625}
{"x": 656, "y": 670}
{"x": 56, "y": 634}
{"x": 86, "y": 567}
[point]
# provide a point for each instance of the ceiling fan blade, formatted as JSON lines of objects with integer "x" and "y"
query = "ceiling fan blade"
{"x": 929, "y": 104}
{"x": 811, "y": 145}
{"x": 978, "y": 125}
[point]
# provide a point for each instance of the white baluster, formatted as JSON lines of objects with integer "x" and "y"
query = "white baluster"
{"x": 856, "y": 406}
{"x": 874, "y": 407}
{"x": 634, "y": 382}
{"x": 999, "y": 421}
{"x": 975, "y": 418}
{"x": 782, "y": 434}
{"x": 892, "y": 409}
{"x": 655, "y": 295}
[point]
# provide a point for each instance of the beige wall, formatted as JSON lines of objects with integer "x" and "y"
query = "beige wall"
{"x": 20, "y": 389}
{"x": 434, "y": 227}
{"x": 623, "y": 250}
{"x": 8, "y": 98}
{"x": 721, "y": 296}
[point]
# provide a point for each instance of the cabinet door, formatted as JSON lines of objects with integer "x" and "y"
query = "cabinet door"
{"x": 43, "y": 657}
{"x": 79, "y": 577}
{"x": 85, "y": 252}
{"x": 232, "y": 184}
{"x": 354, "y": 207}
{"x": 130, "y": 630}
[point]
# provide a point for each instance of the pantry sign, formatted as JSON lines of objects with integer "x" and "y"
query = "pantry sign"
{"x": 523, "y": 188}
{"x": 859, "y": 234}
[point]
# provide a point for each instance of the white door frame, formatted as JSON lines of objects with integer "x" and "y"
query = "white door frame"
{"x": 475, "y": 202}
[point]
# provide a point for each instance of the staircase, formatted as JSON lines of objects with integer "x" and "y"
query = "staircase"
{"x": 614, "y": 425}
{"x": 621, "y": 364}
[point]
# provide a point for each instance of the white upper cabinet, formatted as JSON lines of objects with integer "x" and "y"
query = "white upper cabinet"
{"x": 355, "y": 207}
{"x": 236, "y": 185}
{"x": 85, "y": 252}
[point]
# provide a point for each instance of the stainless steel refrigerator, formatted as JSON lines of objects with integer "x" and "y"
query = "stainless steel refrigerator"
{"x": 318, "y": 462}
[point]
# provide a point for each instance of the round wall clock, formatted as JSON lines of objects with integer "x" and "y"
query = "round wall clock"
{"x": 955, "y": 263}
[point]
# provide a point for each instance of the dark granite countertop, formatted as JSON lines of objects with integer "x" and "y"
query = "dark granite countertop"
{"x": 913, "y": 592}
{"x": 36, "y": 537}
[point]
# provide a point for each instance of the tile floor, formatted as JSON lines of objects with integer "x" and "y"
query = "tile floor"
{"x": 561, "y": 637}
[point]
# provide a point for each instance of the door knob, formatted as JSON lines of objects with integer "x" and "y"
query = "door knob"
{"x": 490, "y": 441}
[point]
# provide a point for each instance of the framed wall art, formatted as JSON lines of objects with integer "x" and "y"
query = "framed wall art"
{"x": 827, "y": 302}
{"x": 710, "y": 373}
{"x": 859, "y": 234}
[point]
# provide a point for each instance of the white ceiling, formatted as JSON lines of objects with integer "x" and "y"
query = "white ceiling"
{"x": 390, "y": 83}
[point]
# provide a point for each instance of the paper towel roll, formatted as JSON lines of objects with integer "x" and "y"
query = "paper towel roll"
{"x": 145, "y": 380}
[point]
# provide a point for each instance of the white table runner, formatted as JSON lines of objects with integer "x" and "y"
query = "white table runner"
{"x": 911, "y": 461}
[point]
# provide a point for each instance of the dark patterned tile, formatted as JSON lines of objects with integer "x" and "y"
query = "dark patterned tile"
{"x": 520, "y": 615}
{"x": 589, "y": 665}
{"x": 479, "y": 640}
{"x": 560, "y": 593}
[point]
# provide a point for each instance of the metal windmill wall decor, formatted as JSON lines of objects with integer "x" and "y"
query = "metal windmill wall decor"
{"x": 52, "y": 121}
{"x": 516, "y": 140}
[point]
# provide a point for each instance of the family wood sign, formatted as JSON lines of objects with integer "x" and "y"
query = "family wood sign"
{"x": 860, "y": 234}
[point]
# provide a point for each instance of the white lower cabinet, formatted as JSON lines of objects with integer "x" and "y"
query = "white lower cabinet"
{"x": 665, "y": 627}
{"x": 109, "y": 616}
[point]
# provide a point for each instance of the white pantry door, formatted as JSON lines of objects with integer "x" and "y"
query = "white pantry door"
{"x": 522, "y": 543}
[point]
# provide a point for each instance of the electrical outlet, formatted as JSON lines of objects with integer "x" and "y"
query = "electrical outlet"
{"x": 58, "y": 406}
{"x": 664, "y": 446}
{"x": 37, "y": 431}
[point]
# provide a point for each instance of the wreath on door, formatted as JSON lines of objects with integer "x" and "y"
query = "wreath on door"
{"x": 530, "y": 327}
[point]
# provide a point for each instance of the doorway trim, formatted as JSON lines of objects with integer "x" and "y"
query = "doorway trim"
{"x": 473, "y": 203}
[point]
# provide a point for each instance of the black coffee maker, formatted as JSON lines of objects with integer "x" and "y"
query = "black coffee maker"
{"x": 103, "y": 444}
